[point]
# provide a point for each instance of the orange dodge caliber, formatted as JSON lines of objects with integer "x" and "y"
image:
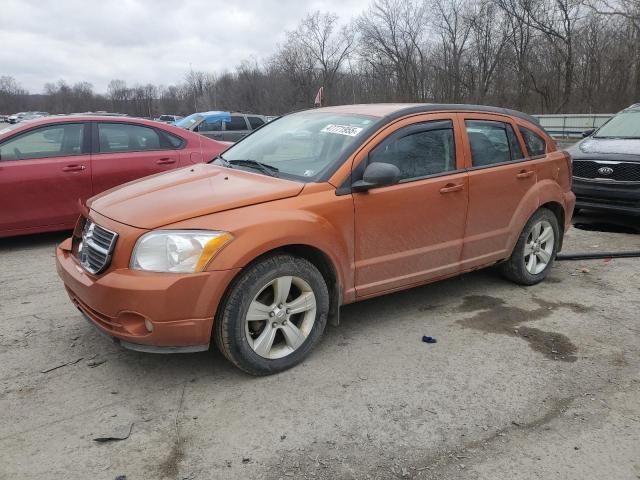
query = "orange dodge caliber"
{"x": 258, "y": 249}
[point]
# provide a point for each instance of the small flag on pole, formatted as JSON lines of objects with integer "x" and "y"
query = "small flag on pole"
{"x": 318, "y": 101}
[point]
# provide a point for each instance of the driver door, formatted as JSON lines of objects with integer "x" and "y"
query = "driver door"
{"x": 413, "y": 231}
{"x": 44, "y": 173}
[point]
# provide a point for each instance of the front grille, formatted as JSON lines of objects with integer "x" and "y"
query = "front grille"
{"x": 617, "y": 171}
{"x": 95, "y": 247}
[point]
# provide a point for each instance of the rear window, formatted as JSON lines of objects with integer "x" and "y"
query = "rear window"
{"x": 255, "y": 122}
{"x": 236, "y": 123}
{"x": 173, "y": 141}
{"x": 534, "y": 142}
{"x": 492, "y": 142}
{"x": 123, "y": 137}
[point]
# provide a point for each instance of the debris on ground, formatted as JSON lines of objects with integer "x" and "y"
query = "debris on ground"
{"x": 72, "y": 362}
{"x": 95, "y": 363}
{"x": 427, "y": 339}
{"x": 120, "y": 433}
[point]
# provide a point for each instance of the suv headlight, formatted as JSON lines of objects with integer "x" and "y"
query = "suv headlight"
{"x": 177, "y": 250}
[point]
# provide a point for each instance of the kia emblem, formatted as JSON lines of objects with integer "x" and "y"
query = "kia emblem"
{"x": 605, "y": 171}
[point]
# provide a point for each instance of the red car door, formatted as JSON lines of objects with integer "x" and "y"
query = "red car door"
{"x": 123, "y": 152}
{"x": 44, "y": 173}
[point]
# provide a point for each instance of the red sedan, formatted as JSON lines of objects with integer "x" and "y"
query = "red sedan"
{"x": 48, "y": 166}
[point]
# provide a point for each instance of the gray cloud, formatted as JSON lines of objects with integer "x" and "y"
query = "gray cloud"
{"x": 143, "y": 41}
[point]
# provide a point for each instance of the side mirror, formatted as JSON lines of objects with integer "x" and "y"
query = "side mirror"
{"x": 588, "y": 133}
{"x": 377, "y": 175}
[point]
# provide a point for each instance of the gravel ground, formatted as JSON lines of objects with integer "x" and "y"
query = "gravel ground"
{"x": 539, "y": 382}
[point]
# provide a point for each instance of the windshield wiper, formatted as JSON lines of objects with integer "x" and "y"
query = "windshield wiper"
{"x": 263, "y": 167}
{"x": 223, "y": 160}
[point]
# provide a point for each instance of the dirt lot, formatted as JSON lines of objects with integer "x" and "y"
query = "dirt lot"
{"x": 540, "y": 382}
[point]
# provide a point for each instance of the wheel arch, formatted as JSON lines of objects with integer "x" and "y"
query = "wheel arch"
{"x": 558, "y": 210}
{"x": 314, "y": 255}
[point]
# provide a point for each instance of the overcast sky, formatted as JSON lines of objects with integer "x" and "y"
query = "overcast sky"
{"x": 143, "y": 41}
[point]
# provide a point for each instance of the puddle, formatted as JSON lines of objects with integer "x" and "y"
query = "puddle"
{"x": 606, "y": 227}
{"x": 493, "y": 316}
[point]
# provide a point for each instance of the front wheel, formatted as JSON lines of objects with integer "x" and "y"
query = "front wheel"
{"x": 535, "y": 250}
{"x": 273, "y": 316}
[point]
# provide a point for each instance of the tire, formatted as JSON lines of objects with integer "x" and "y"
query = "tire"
{"x": 518, "y": 267}
{"x": 258, "y": 336}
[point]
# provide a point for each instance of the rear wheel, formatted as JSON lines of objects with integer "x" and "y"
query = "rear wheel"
{"x": 535, "y": 250}
{"x": 273, "y": 315}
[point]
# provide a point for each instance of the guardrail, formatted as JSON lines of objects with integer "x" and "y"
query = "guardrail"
{"x": 572, "y": 125}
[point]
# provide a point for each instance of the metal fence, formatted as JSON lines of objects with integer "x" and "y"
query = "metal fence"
{"x": 572, "y": 125}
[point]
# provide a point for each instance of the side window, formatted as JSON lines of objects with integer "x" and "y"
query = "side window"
{"x": 237, "y": 123}
{"x": 534, "y": 142}
{"x": 172, "y": 141}
{"x": 421, "y": 152}
{"x": 59, "y": 140}
{"x": 492, "y": 142}
{"x": 124, "y": 137}
{"x": 210, "y": 126}
{"x": 255, "y": 122}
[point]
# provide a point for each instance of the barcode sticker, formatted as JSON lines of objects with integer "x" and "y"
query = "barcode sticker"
{"x": 342, "y": 130}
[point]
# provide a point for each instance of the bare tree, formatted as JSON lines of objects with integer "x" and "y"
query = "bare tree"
{"x": 392, "y": 43}
{"x": 325, "y": 44}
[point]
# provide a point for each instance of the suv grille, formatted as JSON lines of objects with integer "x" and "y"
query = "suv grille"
{"x": 95, "y": 247}
{"x": 617, "y": 171}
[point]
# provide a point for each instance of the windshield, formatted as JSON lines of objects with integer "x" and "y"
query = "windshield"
{"x": 190, "y": 121}
{"x": 623, "y": 125}
{"x": 302, "y": 144}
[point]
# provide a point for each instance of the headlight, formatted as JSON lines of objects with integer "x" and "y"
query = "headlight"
{"x": 177, "y": 250}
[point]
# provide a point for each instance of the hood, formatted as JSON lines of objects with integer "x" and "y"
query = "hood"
{"x": 605, "y": 148}
{"x": 187, "y": 193}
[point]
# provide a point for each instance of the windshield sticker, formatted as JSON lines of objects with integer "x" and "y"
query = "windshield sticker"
{"x": 309, "y": 173}
{"x": 342, "y": 130}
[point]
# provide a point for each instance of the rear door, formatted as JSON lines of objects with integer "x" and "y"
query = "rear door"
{"x": 44, "y": 173}
{"x": 125, "y": 151}
{"x": 500, "y": 177}
{"x": 211, "y": 128}
{"x": 412, "y": 231}
{"x": 235, "y": 129}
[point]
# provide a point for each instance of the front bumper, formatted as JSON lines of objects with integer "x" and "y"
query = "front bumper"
{"x": 119, "y": 303}
{"x": 621, "y": 197}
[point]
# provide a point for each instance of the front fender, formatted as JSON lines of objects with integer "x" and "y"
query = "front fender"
{"x": 325, "y": 224}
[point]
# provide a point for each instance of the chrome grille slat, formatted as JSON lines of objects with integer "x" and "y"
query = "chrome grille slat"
{"x": 95, "y": 247}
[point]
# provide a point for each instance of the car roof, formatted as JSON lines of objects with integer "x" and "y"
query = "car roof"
{"x": 99, "y": 118}
{"x": 395, "y": 110}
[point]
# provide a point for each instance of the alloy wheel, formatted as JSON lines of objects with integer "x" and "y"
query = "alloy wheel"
{"x": 280, "y": 317}
{"x": 538, "y": 249}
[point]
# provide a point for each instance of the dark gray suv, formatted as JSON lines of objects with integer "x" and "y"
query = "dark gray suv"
{"x": 606, "y": 165}
{"x": 219, "y": 125}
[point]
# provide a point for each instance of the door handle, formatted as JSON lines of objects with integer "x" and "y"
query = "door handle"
{"x": 166, "y": 161}
{"x": 525, "y": 174}
{"x": 451, "y": 187}
{"x": 73, "y": 168}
